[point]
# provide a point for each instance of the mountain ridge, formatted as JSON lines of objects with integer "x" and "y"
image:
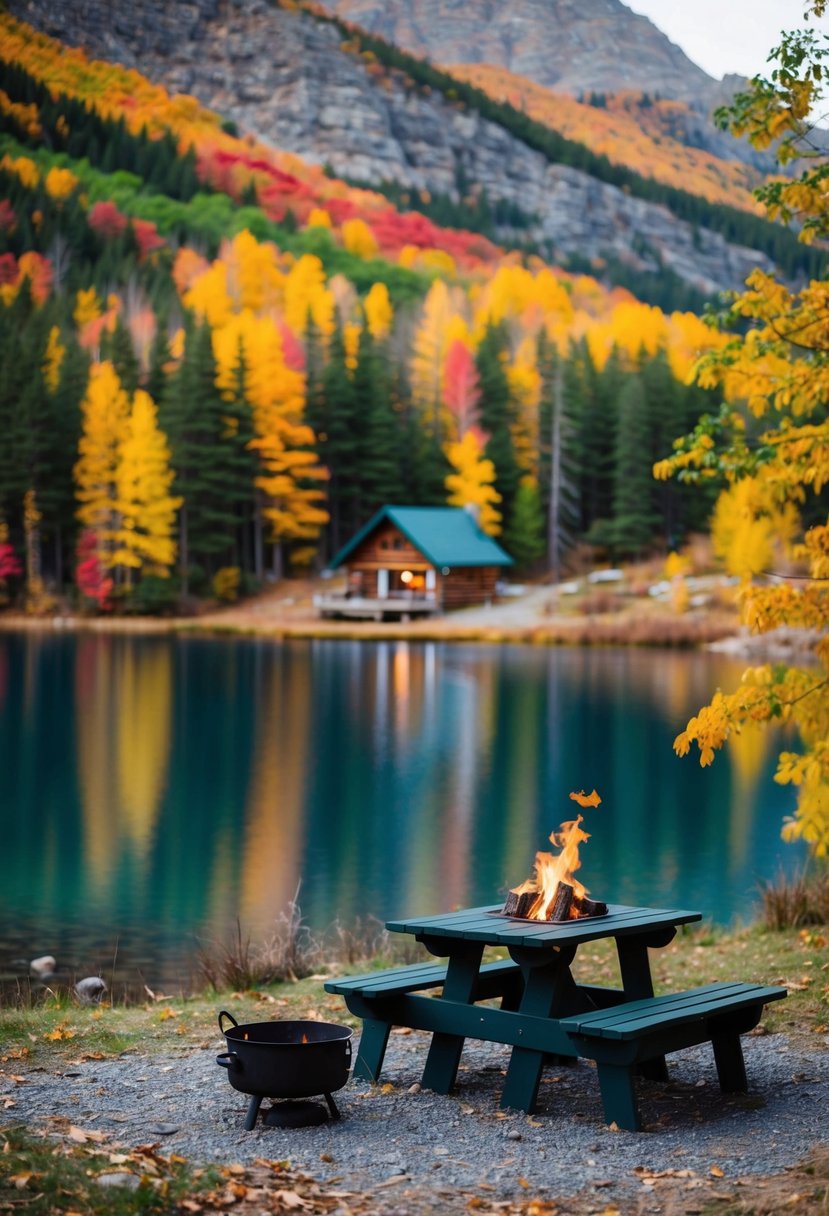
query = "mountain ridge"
{"x": 283, "y": 74}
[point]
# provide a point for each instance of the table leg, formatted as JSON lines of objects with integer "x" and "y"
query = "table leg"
{"x": 635, "y": 967}
{"x": 373, "y": 1041}
{"x": 547, "y": 988}
{"x": 444, "y": 1056}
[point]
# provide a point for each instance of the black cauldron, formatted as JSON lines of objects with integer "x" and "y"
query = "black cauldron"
{"x": 285, "y": 1060}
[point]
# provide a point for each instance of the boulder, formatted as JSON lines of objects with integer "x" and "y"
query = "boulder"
{"x": 43, "y": 967}
{"x": 90, "y": 990}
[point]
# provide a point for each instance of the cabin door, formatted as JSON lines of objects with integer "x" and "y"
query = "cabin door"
{"x": 382, "y": 584}
{"x": 431, "y": 583}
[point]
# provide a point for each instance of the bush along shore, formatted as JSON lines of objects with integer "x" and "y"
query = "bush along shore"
{"x": 119, "y": 1106}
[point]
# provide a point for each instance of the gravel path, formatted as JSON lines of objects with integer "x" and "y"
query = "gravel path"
{"x": 418, "y": 1149}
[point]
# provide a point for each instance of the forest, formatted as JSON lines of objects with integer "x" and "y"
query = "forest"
{"x": 218, "y": 361}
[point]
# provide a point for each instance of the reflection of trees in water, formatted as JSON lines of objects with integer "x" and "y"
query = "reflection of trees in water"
{"x": 96, "y": 726}
{"x": 123, "y": 701}
{"x": 276, "y": 813}
{"x": 143, "y": 712}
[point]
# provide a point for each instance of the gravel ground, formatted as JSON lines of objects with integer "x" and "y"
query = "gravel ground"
{"x": 417, "y": 1149}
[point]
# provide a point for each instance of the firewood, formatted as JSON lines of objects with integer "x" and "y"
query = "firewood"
{"x": 520, "y": 903}
{"x": 560, "y": 907}
{"x": 592, "y": 907}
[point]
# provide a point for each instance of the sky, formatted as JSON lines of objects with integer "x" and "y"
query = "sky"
{"x": 726, "y": 35}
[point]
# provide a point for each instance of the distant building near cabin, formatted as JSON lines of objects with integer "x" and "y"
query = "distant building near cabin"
{"x": 415, "y": 561}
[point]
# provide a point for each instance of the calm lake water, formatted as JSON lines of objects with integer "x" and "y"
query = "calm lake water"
{"x": 154, "y": 789}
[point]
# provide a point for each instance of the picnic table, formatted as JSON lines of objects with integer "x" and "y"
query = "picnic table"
{"x": 544, "y": 1013}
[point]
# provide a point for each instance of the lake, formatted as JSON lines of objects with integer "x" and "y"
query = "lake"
{"x": 154, "y": 788}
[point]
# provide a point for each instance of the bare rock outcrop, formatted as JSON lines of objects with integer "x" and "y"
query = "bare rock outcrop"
{"x": 284, "y": 75}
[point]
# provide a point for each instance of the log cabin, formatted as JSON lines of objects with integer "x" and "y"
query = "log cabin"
{"x": 415, "y": 561}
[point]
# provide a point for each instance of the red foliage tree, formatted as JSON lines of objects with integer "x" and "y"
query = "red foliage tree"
{"x": 89, "y": 576}
{"x": 107, "y": 220}
{"x": 146, "y": 237}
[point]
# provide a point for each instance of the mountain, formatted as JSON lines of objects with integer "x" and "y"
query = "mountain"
{"x": 306, "y": 85}
{"x": 572, "y": 46}
{"x": 577, "y": 47}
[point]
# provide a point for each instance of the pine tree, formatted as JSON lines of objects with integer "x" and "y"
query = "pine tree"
{"x": 192, "y": 411}
{"x": 117, "y": 347}
{"x": 378, "y": 466}
{"x": 497, "y": 414}
{"x": 333, "y": 415}
{"x": 524, "y": 539}
{"x": 634, "y": 518}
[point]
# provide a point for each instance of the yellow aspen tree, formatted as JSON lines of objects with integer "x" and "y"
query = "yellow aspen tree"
{"x": 60, "y": 183}
{"x": 52, "y": 359}
{"x": 105, "y": 412}
{"x": 291, "y": 475}
{"x": 31, "y": 530}
{"x": 144, "y": 539}
{"x": 253, "y": 278}
{"x": 306, "y": 295}
{"x": 87, "y": 307}
{"x": 359, "y": 239}
{"x": 319, "y": 219}
{"x": 429, "y": 348}
{"x": 471, "y": 485}
{"x": 379, "y": 311}
{"x": 351, "y": 344}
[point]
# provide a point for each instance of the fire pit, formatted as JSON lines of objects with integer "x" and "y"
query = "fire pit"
{"x": 554, "y": 894}
{"x": 286, "y": 1060}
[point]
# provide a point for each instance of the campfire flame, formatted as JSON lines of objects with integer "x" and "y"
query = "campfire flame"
{"x": 550, "y": 870}
{"x": 554, "y": 893}
{"x": 304, "y": 1039}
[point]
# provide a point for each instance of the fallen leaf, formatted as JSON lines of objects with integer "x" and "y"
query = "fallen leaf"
{"x": 290, "y": 1199}
{"x": 717, "y": 1171}
{"x": 524, "y": 1183}
{"x": 82, "y": 1135}
{"x": 388, "y": 1088}
{"x": 21, "y": 1181}
{"x": 167, "y": 1013}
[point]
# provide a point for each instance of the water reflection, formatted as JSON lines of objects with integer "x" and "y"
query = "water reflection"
{"x": 154, "y": 789}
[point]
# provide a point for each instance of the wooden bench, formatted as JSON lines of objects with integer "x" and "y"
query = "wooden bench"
{"x": 625, "y": 1036}
{"x": 371, "y": 997}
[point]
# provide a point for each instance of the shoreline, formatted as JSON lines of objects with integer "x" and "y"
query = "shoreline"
{"x": 612, "y": 630}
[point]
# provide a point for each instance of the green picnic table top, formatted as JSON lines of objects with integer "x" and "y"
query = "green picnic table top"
{"x": 487, "y": 924}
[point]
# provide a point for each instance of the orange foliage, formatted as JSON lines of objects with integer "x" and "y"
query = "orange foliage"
{"x": 647, "y": 139}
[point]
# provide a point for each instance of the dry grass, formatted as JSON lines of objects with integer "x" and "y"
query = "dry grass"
{"x": 291, "y": 953}
{"x": 792, "y": 903}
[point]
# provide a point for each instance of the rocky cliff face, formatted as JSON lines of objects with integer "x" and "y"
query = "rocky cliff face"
{"x": 572, "y": 46}
{"x": 283, "y": 75}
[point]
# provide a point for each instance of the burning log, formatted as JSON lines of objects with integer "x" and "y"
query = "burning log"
{"x": 590, "y": 907}
{"x": 562, "y": 900}
{"x": 520, "y": 903}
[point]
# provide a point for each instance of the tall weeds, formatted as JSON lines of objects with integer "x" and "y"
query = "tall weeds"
{"x": 791, "y": 903}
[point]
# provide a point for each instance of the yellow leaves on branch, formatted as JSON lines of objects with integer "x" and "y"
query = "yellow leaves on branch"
{"x": 748, "y": 527}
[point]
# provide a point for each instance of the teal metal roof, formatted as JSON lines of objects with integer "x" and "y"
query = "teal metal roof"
{"x": 446, "y": 536}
